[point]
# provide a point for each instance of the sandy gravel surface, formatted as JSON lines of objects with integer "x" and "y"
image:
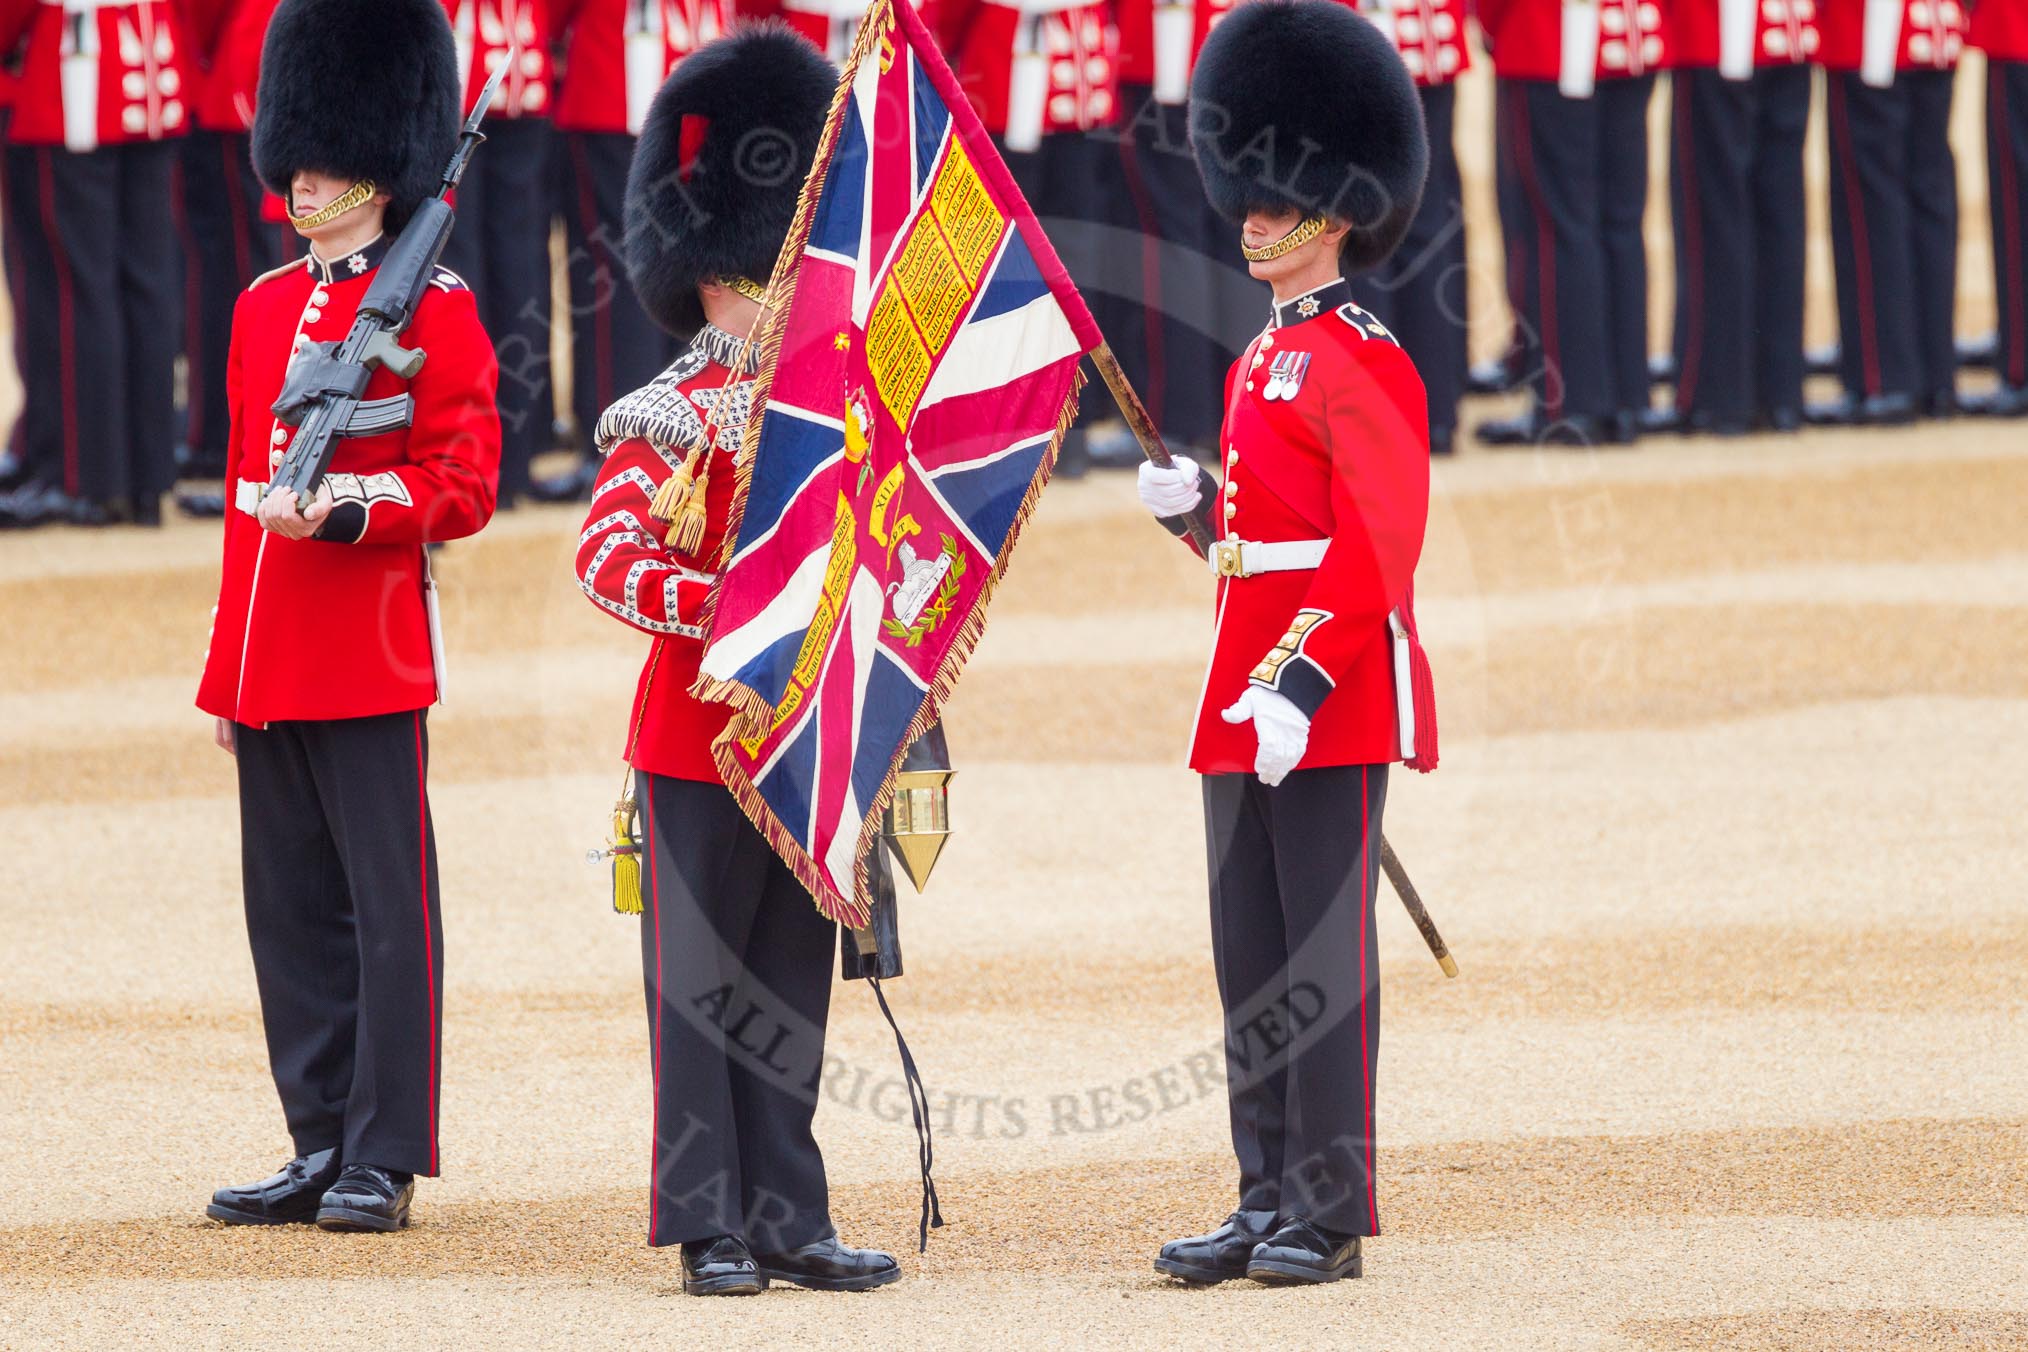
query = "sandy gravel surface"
{"x": 1727, "y": 841}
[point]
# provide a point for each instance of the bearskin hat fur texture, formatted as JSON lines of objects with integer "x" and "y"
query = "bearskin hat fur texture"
{"x": 1304, "y": 105}
{"x": 728, "y": 142}
{"x": 359, "y": 89}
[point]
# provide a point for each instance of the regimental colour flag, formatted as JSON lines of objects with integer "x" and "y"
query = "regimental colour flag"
{"x": 919, "y": 367}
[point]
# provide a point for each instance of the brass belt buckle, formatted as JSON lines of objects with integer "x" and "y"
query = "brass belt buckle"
{"x": 1226, "y": 557}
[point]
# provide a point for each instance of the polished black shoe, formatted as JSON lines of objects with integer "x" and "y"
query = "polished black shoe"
{"x": 1532, "y": 429}
{"x": 203, "y": 505}
{"x": 27, "y": 508}
{"x": 1498, "y": 376}
{"x": 1442, "y": 440}
{"x": 1940, "y": 404}
{"x": 828, "y": 1265}
{"x": 2004, "y": 401}
{"x": 571, "y": 486}
{"x": 1877, "y": 410}
{"x": 1782, "y": 418}
{"x": 13, "y": 472}
{"x": 1698, "y": 423}
{"x": 367, "y": 1197}
{"x": 1624, "y": 427}
{"x": 291, "y": 1197}
{"x": 1304, "y": 1252}
{"x": 1821, "y": 361}
{"x": 1662, "y": 368}
{"x": 1979, "y": 353}
{"x": 720, "y": 1267}
{"x": 1221, "y": 1255}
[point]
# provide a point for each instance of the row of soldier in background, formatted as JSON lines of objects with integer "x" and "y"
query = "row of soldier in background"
{"x": 127, "y": 115}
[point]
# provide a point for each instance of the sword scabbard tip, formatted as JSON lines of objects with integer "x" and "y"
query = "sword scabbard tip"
{"x": 1449, "y": 964}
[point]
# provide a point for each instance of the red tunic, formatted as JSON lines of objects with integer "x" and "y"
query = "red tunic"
{"x": 1931, "y": 33}
{"x": 626, "y": 569}
{"x": 1141, "y": 59}
{"x": 1527, "y": 37}
{"x": 1344, "y": 460}
{"x": 312, "y": 629}
{"x": 227, "y": 35}
{"x": 2000, "y": 29}
{"x": 487, "y": 30}
{"x": 1780, "y": 33}
{"x": 1429, "y": 34}
{"x": 113, "y": 76}
{"x": 618, "y": 52}
{"x": 1033, "y": 68}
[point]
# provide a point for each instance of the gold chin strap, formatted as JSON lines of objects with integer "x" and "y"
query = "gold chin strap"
{"x": 1304, "y": 232}
{"x": 747, "y": 287}
{"x": 358, "y": 195}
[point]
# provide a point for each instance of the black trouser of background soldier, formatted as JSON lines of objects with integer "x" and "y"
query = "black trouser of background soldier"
{"x": 1419, "y": 292}
{"x": 1894, "y": 233}
{"x": 226, "y": 244}
{"x": 501, "y": 249}
{"x": 1294, "y": 873}
{"x": 1177, "y": 268}
{"x": 101, "y": 295}
{"x": 1523, "y": 348}
{"x": 736, "y": 961}
{"x": 615, "y": 347}
{"x": 1581, "y": 167}
{"x": 2007, "y": 189}
{"x": 1736, "y": 190}
{"x": 340, "y": 868}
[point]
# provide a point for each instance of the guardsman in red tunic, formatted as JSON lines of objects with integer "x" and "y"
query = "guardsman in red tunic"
{"x": 1043, "y": 76}
{"x": 1419, "y": 293}
{"x": 1889, "y": 69}
{"x": 227, "y": 238}
{"x": 1185, "y": 304}
{"x": 616, "y": 54}
{"x": 322, "y": 663}
{"x": 1740, "y": 103}
{"x": 1309, "y": 135}
{"x": 2000, "y": 30}
{"x": 1575, "y": 76}
{"x": 103, "y": 96}
{"x": 501, "y": 244}
{"x": 736, "y": 959}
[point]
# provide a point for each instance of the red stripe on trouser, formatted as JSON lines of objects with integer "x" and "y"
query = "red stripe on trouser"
{"x": 66, "y": 316}
{"x": 2000, "y": 125}
{"x": 422, "y": 814}
{"x": 602, "y": 315}
{"x": 1366, "y": 991}
{"x": 1545, "y": 258}
{"x": 1151, "y": 276}
{"x": 1693, "y": 248}
{"x": 647, "y": 847}
{"x": 1862, "y": 252}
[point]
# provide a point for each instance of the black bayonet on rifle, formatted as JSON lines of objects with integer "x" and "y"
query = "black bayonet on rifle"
{"x": 322, "y": 395}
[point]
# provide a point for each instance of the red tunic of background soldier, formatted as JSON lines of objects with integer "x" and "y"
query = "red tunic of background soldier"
{"x": 1309, "y": 137}
{"x": 2000, "y": 30}
{"x": 738, "y": 1179}
{"x": 321, "y": 665}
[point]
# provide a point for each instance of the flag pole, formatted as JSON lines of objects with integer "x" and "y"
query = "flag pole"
{"x": 1144, "y": 430}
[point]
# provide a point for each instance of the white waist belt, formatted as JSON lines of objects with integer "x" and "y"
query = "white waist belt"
{"x": 247, "y": 497}
{"x": 1244, "y": 558}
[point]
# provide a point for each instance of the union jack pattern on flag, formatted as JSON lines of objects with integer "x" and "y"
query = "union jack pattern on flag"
{"x": 918, "y": 371}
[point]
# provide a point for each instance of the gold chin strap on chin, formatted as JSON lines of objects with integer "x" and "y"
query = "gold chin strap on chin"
{"x": 747, "y": 287}
{"x": 1305, "y": 231}
{"x": 358, "y": 195}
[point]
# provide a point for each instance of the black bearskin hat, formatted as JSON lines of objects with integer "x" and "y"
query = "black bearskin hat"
{"x": 359, "y": 89}
{"x": 728, "y": 142}
{"x": 1304, "y": 105}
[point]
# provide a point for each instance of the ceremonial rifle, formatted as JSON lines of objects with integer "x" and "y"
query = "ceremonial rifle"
{"x": 1199, "y": 531}
{"x": 323, "y": 393}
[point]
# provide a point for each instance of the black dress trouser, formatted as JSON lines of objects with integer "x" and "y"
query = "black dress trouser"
{"x": 736, "y": 961}
{"x": 615, "y": 347}
{"x": 1419, "y": 292}
{"x": 1294, "y": 872}
{"x": 102, "y": 306}
{"x": 226, "y": 244}
{"x": 1736, "y": 191}
{"x": 1581, "y": 171}
{"x": 1894, "y": 232}
{"x": 501, "y": 249}
{"x": 2007, "y": 191}
{"x": 340, "y": 867}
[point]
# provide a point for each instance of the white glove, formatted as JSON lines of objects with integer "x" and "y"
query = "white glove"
{"x": 1169, "y": 490}
{"x": 1283, "y": 730}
